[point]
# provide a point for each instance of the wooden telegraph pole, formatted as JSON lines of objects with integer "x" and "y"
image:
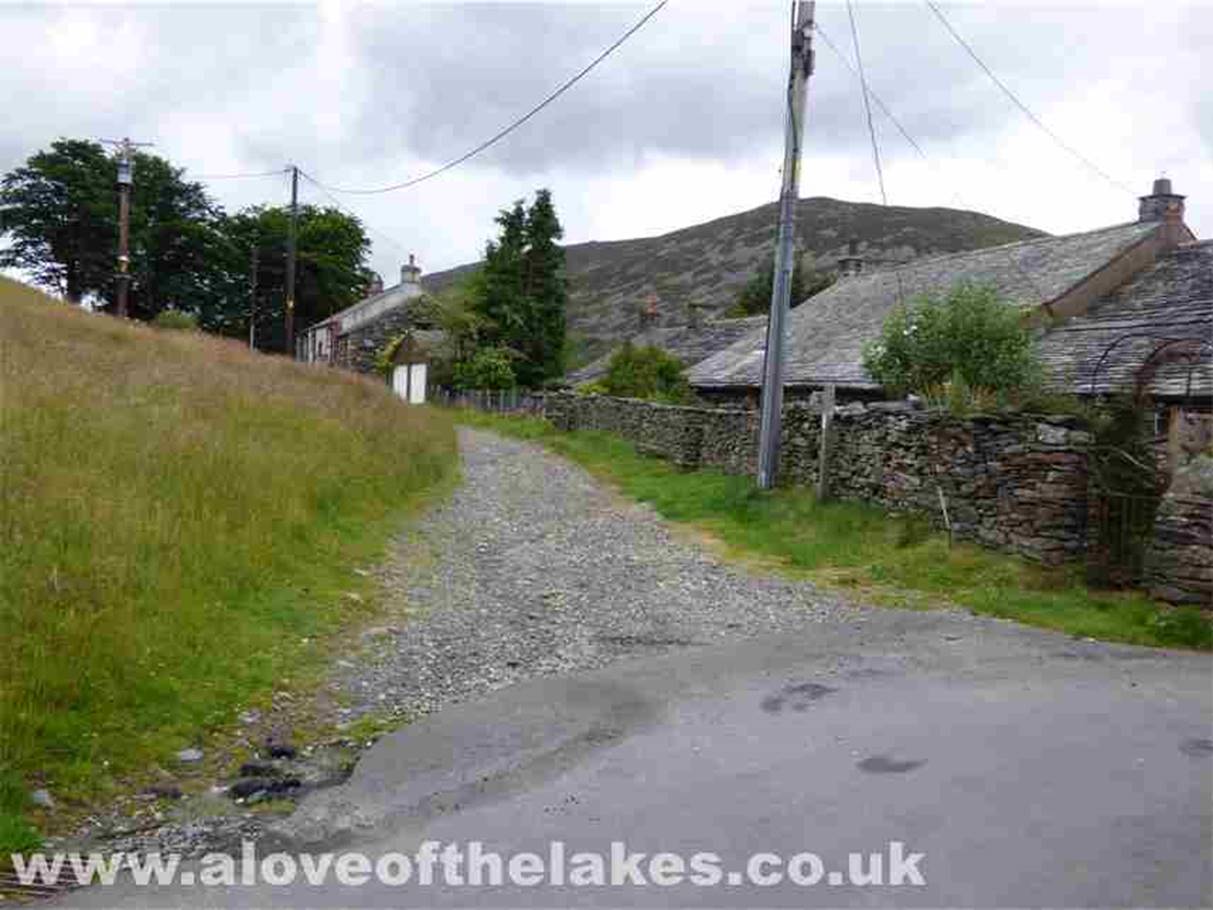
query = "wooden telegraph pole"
{"x": 772, "y": 370}
{"x": 126, "y": 168}
{"x": 252, "y": 311}
{"x": 291, "y": 251}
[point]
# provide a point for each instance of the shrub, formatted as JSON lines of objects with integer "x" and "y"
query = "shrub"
{"x": 755, "y": 295}
{"x": 488, "y": 368}
{"x": 176, "y": 319}
{"x": 967, "y": 345}
{"x": 647, "y": 372}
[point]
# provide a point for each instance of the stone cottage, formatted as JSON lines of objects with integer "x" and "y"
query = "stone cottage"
{"x": 354, "y": 337}
{"x": 1116, "y": 307}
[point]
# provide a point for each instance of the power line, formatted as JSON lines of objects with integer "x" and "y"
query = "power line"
{"x": 1092, "y": 166}
{"x": 276, "y": 173}
{"x": 875, "y": 97}
{"x": 867, "y": 104}
{"x": 371, "y": 228}
{"x": 501, "y": 134}
{"x": 888, "y": 112}
{"x": 867, "y": 107}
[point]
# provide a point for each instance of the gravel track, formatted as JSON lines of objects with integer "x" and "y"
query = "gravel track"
{"x": 531, "y": 568}
{"x": 534, "y": 568}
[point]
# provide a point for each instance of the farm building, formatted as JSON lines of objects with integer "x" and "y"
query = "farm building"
{"x": 354, "y": 337}
{"x": 1116, "y": 307}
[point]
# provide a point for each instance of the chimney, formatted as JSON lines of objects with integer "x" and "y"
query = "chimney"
{"x": 410, "y": 273}
{"x": 1162, "y": 204}
{"x": 648, "y": 311}
{"x": 694, "y": 314}
{"x": 851, "y": 264}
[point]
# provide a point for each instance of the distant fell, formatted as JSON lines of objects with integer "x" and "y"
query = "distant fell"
{"x": 705, "y": 266}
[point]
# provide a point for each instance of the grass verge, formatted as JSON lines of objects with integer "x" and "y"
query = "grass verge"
{"x": 895, "y": 560}
{"x": 179, "y": 524}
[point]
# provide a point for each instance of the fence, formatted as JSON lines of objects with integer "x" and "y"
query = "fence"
{"x": 492, "y": 401}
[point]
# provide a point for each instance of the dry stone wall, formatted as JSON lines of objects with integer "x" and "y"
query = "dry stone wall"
{"x": 1179, "y": 561}
{"x": 1017, "y": 484}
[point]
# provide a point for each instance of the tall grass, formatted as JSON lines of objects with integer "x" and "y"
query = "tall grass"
{"x": 897, "y": 560}
{"x": 179, "y": 517}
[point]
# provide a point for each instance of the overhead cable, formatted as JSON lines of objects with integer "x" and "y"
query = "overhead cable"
{"x": 1087, "y": 162}
{"x": 501, "y": 134}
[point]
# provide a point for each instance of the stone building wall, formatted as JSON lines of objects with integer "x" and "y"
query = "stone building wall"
{"x": 358, "y": 349}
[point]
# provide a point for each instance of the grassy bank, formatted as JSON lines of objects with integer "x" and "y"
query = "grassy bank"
{"x": 179, "y": 521}
{"x": 894, "y": 560}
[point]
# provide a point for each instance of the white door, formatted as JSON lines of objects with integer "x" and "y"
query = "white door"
{"x": 417, "y": 384}
{"x": 400, "y": 382}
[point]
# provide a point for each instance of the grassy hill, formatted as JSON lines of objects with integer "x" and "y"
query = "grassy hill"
{"x": 707, "y": 264}
{"x": 179, "y": 521}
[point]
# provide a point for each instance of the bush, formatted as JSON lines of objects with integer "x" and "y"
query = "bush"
{"x": 968, "y": 346}
{"x": 647, "y": 372}
{"x": 488, "y": 368}
{"x": 755, "y": 295}
{"x": 176, "y": 319}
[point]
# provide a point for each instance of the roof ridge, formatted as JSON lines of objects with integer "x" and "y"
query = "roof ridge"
{"x": 939, "y": 257}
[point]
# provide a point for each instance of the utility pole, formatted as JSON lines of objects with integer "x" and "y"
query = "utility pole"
{"x": 126, "y": 167}
{"x": 772, "y": 367}
{"x": 291, "y": 243}
{"x": 252, "y": 313}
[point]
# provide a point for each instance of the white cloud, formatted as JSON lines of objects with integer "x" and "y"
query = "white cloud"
{"x": 683, "y": 124}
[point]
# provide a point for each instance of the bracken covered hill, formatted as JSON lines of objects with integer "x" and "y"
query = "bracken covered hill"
{"x": 707, "y": 264}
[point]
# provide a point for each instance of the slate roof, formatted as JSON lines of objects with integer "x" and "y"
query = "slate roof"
{"x": 826, "y": 335}
{"x": 690, "y": 344}
{"x": 373, "y": 305}
{"x": 1170, "y": 301}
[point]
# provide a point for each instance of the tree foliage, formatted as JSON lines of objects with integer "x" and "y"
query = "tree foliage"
{"x": 488, "y": 368}
{"x": 521, "y": 291}
{"x": 330, "y": 275}
{"x": 968, "y": 339}
{"x": 755, "y": 296}
{"x": 59, "y": 215}
{"x": 646, "y": 372}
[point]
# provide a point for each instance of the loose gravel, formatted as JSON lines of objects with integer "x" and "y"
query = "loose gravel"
{"x": 531, "y": 568}
{"x": 534, "y": 568}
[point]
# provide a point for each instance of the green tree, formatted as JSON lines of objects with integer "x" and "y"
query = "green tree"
{"x": 546, "y": 288}
{"x": 488, "y": 368}
{"x": 647, "y": 372}
{"x": 522, "y": 291}
{"x": 59, "y": 213}
{"x": 755, "y": 296}
{"x": 501, "y": 302}
{"x": 179, "y": 258}
{"x": 967, "y": 339}
{"x": 331, "y": 274}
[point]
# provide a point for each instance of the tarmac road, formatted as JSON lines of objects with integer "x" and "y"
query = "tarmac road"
{"x": 1027, "y": 768}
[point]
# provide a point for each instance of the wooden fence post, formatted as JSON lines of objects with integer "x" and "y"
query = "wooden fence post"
{"x": 823, "y": 452}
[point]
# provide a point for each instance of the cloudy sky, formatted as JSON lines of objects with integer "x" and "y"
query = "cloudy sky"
{"x": 682, "y": 124}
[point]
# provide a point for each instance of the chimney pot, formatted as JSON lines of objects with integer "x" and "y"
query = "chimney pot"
{"x": 1161, "y": 205}
{"x": 410, "y": 273}
{"x": 852, "y": 263}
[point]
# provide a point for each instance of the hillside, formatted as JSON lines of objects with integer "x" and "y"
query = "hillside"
{"x": 707, "y": 264}
{"x": 179, "y": 524}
